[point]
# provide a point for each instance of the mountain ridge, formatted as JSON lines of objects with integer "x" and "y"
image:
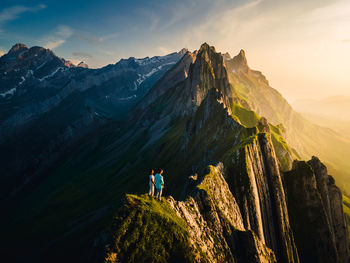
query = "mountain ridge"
{"x": 196, "y": 116}
{"x": 89, "y": 98}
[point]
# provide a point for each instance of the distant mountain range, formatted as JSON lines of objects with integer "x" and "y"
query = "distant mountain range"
{"x": 46, "y": 101}
{"x": 337, "y": 107}
{"x": 74, "y": 141}
{"x": 332, "y": 112}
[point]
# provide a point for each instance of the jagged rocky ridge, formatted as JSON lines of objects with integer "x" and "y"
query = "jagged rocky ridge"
{"x": 317, "y": 217}
{"x": 331, "y": 147}
{"x": 237, "y": 212}
{"x": 214, "y": 226}
{"x": 192, "y": 118}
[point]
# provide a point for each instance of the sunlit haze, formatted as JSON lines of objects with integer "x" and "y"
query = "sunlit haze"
{"x": 303, "y": 47}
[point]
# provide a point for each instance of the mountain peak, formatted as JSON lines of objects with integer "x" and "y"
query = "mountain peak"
{"x": 82, "y": 64}
{"x": 18, "y": 46}
{"x": 241, "y": 58}
{"x": 206, "y": 47}
{"x": 239, "y": 62}
{"x": 17, "y": 49}
{"x": 227, "y": 56}
{"x": 183, "y": 51}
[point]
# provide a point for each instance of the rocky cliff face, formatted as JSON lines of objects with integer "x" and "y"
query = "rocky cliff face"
{"x": 253, "y": 87}
{"x": 240, "y": 214}
{"x": 240, "y": 211}
{"x": 258, "y": 185}
{"x": 315, "y": 208}
{"x": 214, "y": 225}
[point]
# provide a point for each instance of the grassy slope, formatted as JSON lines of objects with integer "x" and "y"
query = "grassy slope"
{"x": 146, "y": 230}
{"x": 249, "y": 118}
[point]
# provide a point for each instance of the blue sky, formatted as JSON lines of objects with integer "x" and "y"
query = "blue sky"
{"x": 303, "y": 47}
{"x": 102, "y": 32}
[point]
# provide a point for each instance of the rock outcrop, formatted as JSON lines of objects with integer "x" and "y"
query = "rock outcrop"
{"x": 215, "y": 222}
{"x": 82, "y": 64}
{"x": 256, "y": 182}
{"x": 214, "y": 226}
{"x": 315, "y": 209}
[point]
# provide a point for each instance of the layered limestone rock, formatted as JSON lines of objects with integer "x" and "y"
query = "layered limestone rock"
{"x": 315, "y": 208}
{"x": 212, "y": 215}
{"x": 175, "y": 76}
{"x": 207, "y": 72}
{"x": 183, "y": 89}
{"x": 332, "y": 202}
{"x": 256, "y": 182}
{"x": 338, "y": 221}
{"x": 239, "y": 63}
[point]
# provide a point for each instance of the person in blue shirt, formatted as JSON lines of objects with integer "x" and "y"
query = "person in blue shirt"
{"x": 158, "y": 178}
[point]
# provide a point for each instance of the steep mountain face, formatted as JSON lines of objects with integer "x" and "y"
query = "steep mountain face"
{"x": 21, "y": 64}
{"x": 251, "y": 165}
{"x": 318, "y": 221}
{"x": 236, "y": 206}
{"x": 258, "y": 187}
{"x": 38, "y": 89}
{"x": 253, "y": 87}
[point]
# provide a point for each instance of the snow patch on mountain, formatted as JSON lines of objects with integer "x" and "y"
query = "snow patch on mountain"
{"x": 40, "y": 66}
{"x": 142, "y": 78}
{"x": 145, "y": 61}
{"x": 128, "y": 98}
{"x": 20, "y": 54}
{"x": 8, "y": 92}
{"x": 51, "y": 75}
{"x": 29, "y": 73}
{"x": 22, "y": 80}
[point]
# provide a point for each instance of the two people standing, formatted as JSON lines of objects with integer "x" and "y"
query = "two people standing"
{"x": 156, "y": 181}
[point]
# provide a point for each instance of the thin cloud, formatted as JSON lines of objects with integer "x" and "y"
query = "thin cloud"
{"x": 93, "y": 38}
{"x": 346, "y": 40}
{"x": 89, "y": 38}
{"x": 164, "y": 50}
{"x": 81, "y": 55}
{"x": 14, "y": 12}
{"x": 59, "y": 37}
{"x": 64, "y": 31}
{"x": 106, "y": 52}
{"x": 108, "y": 36}
{"x": 54, "y": 44}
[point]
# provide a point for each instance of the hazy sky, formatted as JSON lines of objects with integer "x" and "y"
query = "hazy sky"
{"x": 303, "y": 47}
